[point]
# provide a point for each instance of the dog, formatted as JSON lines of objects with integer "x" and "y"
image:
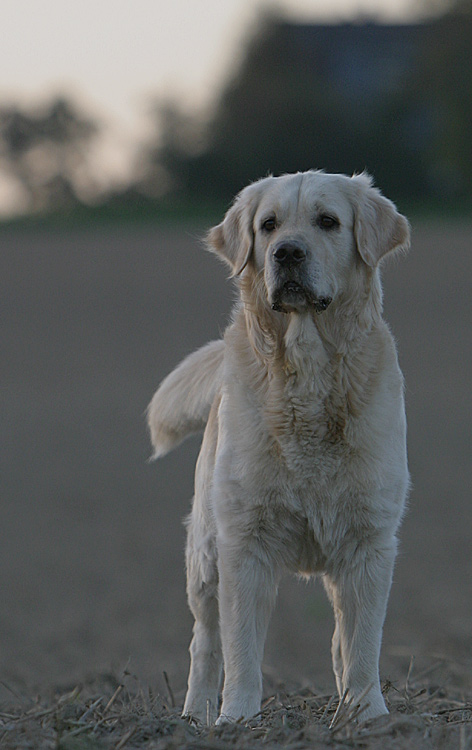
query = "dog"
{"x": 303, "y": 464}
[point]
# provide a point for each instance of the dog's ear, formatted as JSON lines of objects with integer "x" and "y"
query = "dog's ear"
{"x": 378, "y": 227}
{"x": 233, "y": 239}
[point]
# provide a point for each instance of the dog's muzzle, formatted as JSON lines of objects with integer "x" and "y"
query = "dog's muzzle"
{"x": 285, "y": 298}
{"x": 293, "y": 292}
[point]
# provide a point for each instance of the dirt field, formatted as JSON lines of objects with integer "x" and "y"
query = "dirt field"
{"x": 91, "y": 547}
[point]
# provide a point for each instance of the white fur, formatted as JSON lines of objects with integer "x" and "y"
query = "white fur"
{"x": 181, "y": 405}
{"x": 303, "y": 464}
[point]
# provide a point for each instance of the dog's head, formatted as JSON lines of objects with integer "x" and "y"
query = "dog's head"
{"x": 305, "y": 234}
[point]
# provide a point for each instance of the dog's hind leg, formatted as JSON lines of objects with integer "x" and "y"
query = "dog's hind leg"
{"x": 205, "y": 648}
{"x": 202, "y": 590}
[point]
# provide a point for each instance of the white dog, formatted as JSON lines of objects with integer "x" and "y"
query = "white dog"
{"x": 303, "y": 465}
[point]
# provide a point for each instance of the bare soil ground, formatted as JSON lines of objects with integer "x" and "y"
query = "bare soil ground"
{"x": 115, "y": 713}
{"x": 91, "y": 541}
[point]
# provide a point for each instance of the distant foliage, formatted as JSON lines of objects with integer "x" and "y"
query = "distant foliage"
{"x": 45, "y": 150}
{"x": 293, "y": 105}
{"x": 394, "y": 100}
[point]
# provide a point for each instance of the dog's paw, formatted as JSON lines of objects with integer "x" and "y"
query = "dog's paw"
{"x": 200, "y": 711}
{"x": 225, "y": 719}
{"x": 239, "y": 709}
{"x": 360, "y": 706}
{"x": 373, "y": 709}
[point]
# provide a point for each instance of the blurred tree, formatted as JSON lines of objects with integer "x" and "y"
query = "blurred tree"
{"x": 393, "y": 100}
{"x": 459, "y": 7}
{"x": 271, "y": 116}
{"x": 46, "y": 151}
{"x": 443, "y": 84}
{"x": 165, "y": 164}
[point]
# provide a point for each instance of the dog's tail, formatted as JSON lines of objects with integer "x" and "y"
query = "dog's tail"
{"x": 181, "y": 405}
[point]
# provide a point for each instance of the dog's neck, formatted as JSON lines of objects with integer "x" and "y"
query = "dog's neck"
{"x": 303, "y": 343}
{"x": 302, "y": 350}
{"x": 299, "y": 366}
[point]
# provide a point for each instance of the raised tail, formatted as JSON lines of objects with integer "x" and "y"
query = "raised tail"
{"x": 181, "y": 405}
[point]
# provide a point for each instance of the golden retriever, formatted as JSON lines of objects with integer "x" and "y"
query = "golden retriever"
{"x": 303, "y": 465}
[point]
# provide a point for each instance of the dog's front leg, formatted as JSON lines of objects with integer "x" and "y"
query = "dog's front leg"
{"x": 359, "y": 593}
{"x": 247, "y": 592}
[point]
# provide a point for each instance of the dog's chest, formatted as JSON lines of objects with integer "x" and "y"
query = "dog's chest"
{"x": 310, "y": 424}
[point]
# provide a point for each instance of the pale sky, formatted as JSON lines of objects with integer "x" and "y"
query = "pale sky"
{"x": 115, "y": 56}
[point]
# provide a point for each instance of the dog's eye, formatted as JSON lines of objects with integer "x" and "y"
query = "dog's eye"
{"x": 269, "y": 224}
{"x": 327, "y": 222}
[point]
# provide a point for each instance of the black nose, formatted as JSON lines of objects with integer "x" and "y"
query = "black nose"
{"x": 289, "y": 254}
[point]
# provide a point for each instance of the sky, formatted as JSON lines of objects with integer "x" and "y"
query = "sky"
{"x": 115, "y": 57}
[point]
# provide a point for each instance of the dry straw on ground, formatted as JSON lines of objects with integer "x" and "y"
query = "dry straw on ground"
{"x": 119, "y": 713}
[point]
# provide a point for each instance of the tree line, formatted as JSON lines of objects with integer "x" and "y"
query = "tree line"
{"x": 277, "y": 113}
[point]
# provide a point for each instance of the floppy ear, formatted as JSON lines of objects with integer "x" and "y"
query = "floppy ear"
{"x": 378, "y": 227}
{"x": 233, "y": 239}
